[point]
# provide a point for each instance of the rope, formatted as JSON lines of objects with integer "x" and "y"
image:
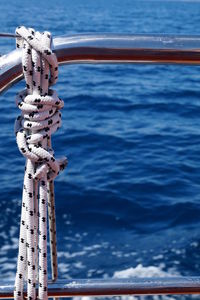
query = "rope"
{"x": 40, "y": 118}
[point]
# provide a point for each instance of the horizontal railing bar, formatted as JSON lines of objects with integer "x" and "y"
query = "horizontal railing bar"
{"x": 109, "y": 48}
{"x": 116, "y": 287}
{"x": 8, "y": 35}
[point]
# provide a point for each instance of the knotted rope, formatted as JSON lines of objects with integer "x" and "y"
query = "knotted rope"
{"x": 40, "y": 118}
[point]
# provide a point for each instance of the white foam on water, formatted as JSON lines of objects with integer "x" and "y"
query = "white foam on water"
{"x": 158, "y": 257}
{"x": 79, "y": 265}
{"x": 194, "y": 244}
{"x": 70, "y": 255}
{"x": 63, "y": 268}
{"x": 92, "y": 247}
{"x": 139, "y": 271}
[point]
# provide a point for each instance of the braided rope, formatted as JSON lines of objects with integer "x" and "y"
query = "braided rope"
{"x": 39, "y": 119}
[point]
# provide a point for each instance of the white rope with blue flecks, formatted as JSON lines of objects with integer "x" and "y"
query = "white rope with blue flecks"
{"x": 39, "y": 119}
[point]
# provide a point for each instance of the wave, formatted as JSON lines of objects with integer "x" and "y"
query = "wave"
{"x": 140, "y": 271}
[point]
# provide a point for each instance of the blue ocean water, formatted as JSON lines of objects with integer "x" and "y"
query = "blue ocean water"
{"x": 128, "y": 203}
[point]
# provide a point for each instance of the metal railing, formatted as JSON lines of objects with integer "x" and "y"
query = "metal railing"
{"x": 116, "y": 287}
{"x": 112, "y": 49}
{"x": 109, "y": 48}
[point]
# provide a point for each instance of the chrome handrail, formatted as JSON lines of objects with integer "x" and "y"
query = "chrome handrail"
{"x": 115, "y": 287}
{"x": 110, "y": 48}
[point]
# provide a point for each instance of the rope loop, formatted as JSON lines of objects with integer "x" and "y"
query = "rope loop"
{"x": 34, "y": 40}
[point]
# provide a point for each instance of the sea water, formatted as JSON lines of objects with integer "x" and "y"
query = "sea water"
{"x": 128, "y": 203}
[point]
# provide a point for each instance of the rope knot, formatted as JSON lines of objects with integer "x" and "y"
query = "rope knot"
{"x": 39, "y": 120}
